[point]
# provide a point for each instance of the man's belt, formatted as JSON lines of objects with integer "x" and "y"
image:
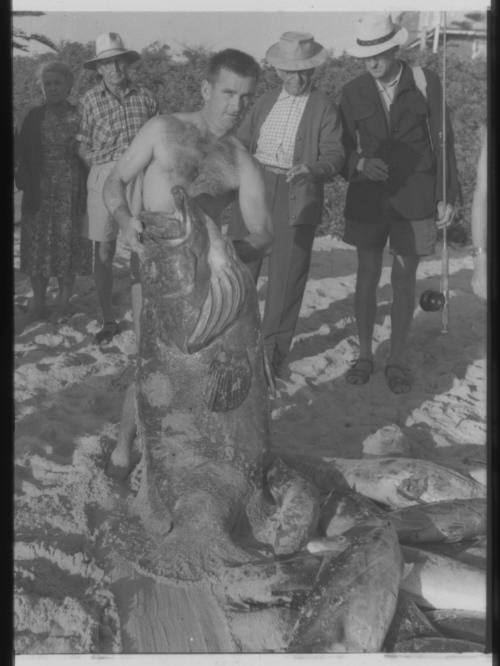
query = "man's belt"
{"x": 274, "y": 169}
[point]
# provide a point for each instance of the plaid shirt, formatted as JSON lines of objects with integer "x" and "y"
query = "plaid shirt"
{"x": 276, "y": 143}
{"x": 108, "y": 124}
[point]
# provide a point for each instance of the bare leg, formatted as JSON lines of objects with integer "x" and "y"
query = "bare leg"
{"x": 66, "y": 285}
{"x": 120, "y": 458}
{"x": 103, "y": 275}
{"x": 39, "y": 286}
{"x": 403, "y": 279}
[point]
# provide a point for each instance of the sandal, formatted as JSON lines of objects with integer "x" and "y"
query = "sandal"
{"x": 360, "y": 371}
{"x": 399, "y": 379}
{"x": 107, "y": 332}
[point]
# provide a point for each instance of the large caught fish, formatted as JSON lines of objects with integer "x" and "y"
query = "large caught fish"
{"x": 400, "y": 482}
{"x": 353, "y": 600}
{"x": 201, "y": 394}
{"x": 449, "y": 521}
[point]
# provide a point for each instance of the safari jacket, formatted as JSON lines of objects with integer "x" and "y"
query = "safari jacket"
{"x": 410, "y": 143}
{"x": 318, "y": 144}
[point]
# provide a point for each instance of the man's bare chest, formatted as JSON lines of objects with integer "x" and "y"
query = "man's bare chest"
{"x": 205, "y": 165}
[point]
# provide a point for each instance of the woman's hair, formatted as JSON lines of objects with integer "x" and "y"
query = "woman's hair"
{"x": 58, "y": 68}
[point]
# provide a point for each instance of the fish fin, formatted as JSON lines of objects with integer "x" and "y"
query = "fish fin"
{"x": 229, "y": 381}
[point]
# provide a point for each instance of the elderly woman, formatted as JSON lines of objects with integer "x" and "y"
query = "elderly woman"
{"x": 52, "y": 179}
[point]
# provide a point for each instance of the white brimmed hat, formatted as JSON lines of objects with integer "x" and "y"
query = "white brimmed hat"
{"x": 110, "y": 45}
{"x": 375, "y": 34}
{"x": 296, "y": 51}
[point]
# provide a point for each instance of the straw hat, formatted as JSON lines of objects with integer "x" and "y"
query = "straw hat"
{"x": 375, "y": 34}
{"x": 296, "y": 51}
{"x": 110, "y": 45}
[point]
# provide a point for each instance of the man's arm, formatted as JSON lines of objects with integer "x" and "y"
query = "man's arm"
{"x": 254, "y": 209}
{"x": 134, "y": 160}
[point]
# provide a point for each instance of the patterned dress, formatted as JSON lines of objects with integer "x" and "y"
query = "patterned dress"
{"x": 51, "y": 241}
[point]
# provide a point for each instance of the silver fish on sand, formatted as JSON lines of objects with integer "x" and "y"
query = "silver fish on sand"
{"x": 400, "y": 482}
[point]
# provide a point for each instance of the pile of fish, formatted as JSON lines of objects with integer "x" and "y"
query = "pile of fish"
{"x": 402, "y": 551}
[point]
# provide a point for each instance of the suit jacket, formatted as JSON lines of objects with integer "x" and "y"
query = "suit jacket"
{"x": 410, "y": 143}
{"x": 318, "y": 144}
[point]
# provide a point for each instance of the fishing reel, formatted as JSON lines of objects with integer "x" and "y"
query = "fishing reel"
{"x": 432, "y": 301}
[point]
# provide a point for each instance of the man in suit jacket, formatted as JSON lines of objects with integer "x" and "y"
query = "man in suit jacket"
{"x": 295, "y": 133}
{"x": 392, "y": 138}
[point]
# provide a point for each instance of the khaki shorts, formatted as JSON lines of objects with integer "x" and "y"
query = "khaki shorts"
{"x": 407, "y": 238}
{"x": 98, "y": 224}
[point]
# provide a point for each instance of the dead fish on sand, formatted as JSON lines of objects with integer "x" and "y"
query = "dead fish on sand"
{"x": 352, "y": 602}
{"x": 448, "y": 521}
{"x": 400, "y": 482}
{"x": 435, "y": 581}
{"x": 203, "y": 415}
{"x": 454, "y": 623}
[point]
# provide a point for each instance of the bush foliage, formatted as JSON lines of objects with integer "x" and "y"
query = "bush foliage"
{"x": 176, "y": 82}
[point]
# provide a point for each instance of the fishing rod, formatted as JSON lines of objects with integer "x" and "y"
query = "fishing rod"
{"x": 444, "y": 252}
{"x": 432, "y": 301}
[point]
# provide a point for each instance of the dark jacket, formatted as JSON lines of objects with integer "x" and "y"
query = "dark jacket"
{"x": 410, "y": 144}
{"x": 318, "y": 144}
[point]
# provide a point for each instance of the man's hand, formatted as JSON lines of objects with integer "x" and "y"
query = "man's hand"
{"x": 444, "y": 215}
{"x": 298, "y": 173}
{"x": 132, "y": 235}
{"x": 375, "y": 169}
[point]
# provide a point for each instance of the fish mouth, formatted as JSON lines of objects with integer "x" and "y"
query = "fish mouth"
{"x": 172, "y": 229}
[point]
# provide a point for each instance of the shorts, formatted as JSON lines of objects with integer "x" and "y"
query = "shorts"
{"x": 98, "y": 224}
{"x": 407, "y": 238}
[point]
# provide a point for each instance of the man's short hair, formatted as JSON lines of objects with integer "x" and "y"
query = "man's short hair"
{"x": 235, "y": 61}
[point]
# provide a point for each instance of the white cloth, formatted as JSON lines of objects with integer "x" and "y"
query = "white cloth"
{"x": 276, "y": 143}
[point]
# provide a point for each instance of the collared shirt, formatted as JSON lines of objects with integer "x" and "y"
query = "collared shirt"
{"x": 388, "y": 90}
{"x": 108, "y": 124}
{"x": 276, "y": 143}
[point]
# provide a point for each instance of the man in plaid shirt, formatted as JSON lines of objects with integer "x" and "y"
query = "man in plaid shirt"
{"x": 113, "y": 111}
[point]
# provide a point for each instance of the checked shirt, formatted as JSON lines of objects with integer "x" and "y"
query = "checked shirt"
{"x": 109, "y": 124}
{"x": 276, "y": 143}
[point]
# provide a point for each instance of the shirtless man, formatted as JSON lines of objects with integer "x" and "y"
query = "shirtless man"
{"x": 198, "y": 151}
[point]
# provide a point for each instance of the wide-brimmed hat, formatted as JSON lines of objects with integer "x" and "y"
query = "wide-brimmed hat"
{"x": 375, "y": 34}
{"x": 110, "y": 45}
{"x": 296, "y": 51}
